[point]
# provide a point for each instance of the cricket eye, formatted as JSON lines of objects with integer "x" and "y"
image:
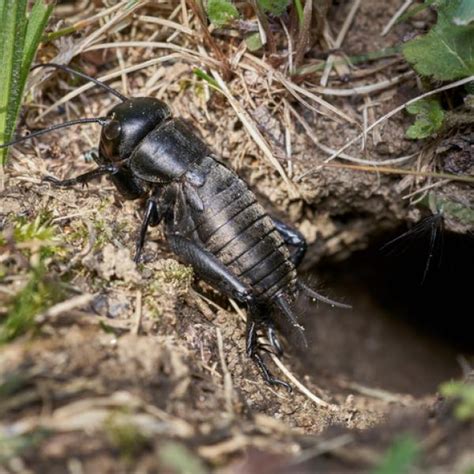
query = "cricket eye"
{"x": 112, "y": 130}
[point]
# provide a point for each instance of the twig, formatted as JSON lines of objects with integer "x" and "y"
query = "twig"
{"x": 64, "y": 306}
{"x": 395, "y": 17}
{"x": 252, "y": 130}
{"x": 329, "y": 151}
{"x": 228, "y": 386}
{"x": 339, "y": 40}
{"x": 138, "y": 314}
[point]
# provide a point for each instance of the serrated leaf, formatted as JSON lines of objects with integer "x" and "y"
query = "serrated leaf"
{"x": 429, "y": 118}
{"x": 221, "y": 12}
{"x": 464, "y": 13}
{"x": 446, "y": 52}
{"x": 275, "y": 7}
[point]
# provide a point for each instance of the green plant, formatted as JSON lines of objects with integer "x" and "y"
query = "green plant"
{"x": 124, "y": 434}
{"x": 445, "y": 52}
{"x": 400, "y": 457}
{"x": 39, "y": 294}
{"x": 37, "y": 239}
{"x": 429, "y": 118}
{"x": 20, "y": 35}
{"x": 12, "y": 446}
{"x": 464, "y": 393}
{"x": 221, "y": 12}
{"x": 180, "y": 459}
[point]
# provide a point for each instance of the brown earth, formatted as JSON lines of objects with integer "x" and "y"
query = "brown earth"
{"x": 148, "y": 373}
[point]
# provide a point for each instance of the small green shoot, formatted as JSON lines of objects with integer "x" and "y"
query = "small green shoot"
{"x": 274, "y": 7}
{"x": 254, "y": 42}
{"x": 299, "y": 11}
{"x": 400, "y": 457}
{"x": 38, "y": 239}
{"x": 429, "y": 118}
{"x": 221, "y": 12}
{"x": 39, "y": 234}
{"x": 458, "y": 211}
{"x": 38, "y": 295}
{"x": 13, "y": 446}
{"x": 180, "y": 460}
{"x": 124, "y": 435}
{"x": 464, "y": 392}
{"x": 20, "y": 35}
{"x": 445, "y": 53}
{"x": 176, "y": 274}
{"x": 205, "y": 77}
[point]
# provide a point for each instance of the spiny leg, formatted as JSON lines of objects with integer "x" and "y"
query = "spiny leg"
{"x": 274, "y": 342}
{"x": 253, "y": 350}
{"x": 321, "y": 298}
{"x": 292, "y": 238}
{"x": 83, "y": 178}
{"x": 209, "y": 267}
{"x": 215, "y": 272}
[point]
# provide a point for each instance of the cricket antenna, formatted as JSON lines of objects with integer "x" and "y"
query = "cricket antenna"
{"x": 101, "y": 120}
{"x": 84, "y": 76}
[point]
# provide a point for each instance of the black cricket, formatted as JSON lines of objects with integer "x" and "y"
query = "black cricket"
{"x": 212, "y": 220}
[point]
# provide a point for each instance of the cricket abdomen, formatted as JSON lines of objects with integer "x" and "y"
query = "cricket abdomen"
{"x": 235, "y": 228}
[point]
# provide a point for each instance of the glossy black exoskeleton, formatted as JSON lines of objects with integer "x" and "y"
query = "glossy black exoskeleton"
{"x": 212, "y": 220}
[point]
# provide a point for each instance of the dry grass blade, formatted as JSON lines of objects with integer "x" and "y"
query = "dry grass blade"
{"x": 125, "y": 9}
{"x": 65, "y": 306}
{"x": 339, "y": 40}
{"x": 374, "y": 168}
{"x": 290, "y": 86}
{"x": 396, "y": 16}
{"x": 113, "y": 75}
{"x": 344, "y": 156}
{"x": 385, "y": 117}
{"x": 228, "y": 386}
{"x": 363, "y": 90}
{"x": 253, "y": 131}
{"x": 167, "y": 24}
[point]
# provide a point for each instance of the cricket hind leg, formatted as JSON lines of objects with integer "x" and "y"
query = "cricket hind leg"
{"x": 215, "y": 272}
{"x": 254, "y": 349}
{"x": 292, "y": 238}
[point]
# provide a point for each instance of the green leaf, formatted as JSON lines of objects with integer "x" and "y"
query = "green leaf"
{"x": 38, "y": 295}
{"x": 275, "y": 7}
{"x": 400, "y": 457}
{"x": 221, "y": 12}
{"x": 12, "y": 34}
{"x": 19, "y": 35}
{"x": 254, "y": 42}
{"x": 446, "y": 52}
{"x": 464, "y": 13}
{"x": 464, "y": 393}
{"x": 429, "y": 118}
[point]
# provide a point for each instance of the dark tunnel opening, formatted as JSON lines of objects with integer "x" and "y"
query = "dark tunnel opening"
{"x": 404, "y": 326}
